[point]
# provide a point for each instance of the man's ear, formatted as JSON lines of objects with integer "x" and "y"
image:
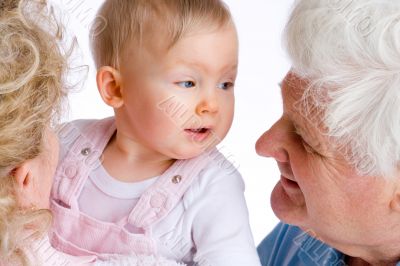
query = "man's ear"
{"x": 23, "y": 184}
{"x": 109, "y": 85}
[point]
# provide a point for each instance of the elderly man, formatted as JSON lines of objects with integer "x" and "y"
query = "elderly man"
{"x": 337, "y": 144}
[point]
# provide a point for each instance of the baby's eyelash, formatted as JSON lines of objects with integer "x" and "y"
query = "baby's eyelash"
{"x": 228, "y": 85}
{"x": 186, "y": 84}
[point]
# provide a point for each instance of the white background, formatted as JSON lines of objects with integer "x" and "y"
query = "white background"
{"x": 262, "y": 65}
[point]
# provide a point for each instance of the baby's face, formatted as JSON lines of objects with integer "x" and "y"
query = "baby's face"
{"x": 180, "y": 102}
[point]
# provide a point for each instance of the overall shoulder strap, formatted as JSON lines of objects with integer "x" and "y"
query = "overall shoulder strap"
{"x": 164, "y": 195}
{"x": 84, "y": 146}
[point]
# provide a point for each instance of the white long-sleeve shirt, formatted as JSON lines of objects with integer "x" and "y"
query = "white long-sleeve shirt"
{"x": 208, "y": 227}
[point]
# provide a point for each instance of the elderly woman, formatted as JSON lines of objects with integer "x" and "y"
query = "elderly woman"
{"x": 32, "y": 68}
{"x": 337, "y": 144}
{"x": 32, "y": 73}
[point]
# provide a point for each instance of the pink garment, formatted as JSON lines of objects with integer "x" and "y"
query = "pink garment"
{"x": 78, "y": 234}
{"x": 41, "y": 253}
{"x": 116, "y": 198}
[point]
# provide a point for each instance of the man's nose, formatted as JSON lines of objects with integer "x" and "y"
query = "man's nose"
{"x": 272, "y": 143}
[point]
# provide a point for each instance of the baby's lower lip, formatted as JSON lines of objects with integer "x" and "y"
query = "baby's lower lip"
{"x": 198, "y": 135}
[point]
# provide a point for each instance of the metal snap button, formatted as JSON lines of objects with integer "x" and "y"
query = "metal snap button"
{"x": 85, "y": 151}
{"x": 176, "y": 179}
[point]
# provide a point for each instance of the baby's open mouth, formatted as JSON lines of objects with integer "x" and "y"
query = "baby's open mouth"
{"x": 198, "y": 134}
{"x": 198, "y": 130}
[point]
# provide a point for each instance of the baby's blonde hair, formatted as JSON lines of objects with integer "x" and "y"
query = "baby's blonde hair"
{"x": 122, "y": 23}
{"x": 32, "y": 67}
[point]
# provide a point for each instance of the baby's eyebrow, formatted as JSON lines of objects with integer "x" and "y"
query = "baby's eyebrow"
{"x": 233, "y": 66}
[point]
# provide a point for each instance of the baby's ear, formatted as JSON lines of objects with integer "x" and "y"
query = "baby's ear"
{"x": 109, "y": 85}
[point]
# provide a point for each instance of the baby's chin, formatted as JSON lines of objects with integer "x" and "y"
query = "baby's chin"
{"x": 188, "y": 154}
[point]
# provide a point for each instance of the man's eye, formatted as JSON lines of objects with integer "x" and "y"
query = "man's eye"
{"x": 225, "y": 85}
{"x": 186, "y": 84}
{"x": 307, "y": 147}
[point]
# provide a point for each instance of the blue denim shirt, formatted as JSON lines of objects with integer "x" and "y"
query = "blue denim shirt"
{"x": 288, "y": 245}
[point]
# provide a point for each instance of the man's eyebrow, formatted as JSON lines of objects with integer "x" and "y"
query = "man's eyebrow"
{"x": 298, "y": 129}
{"x": 294, "y": 117}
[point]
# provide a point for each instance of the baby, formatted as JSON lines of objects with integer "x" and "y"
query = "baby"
{"x": 149, "y": 180}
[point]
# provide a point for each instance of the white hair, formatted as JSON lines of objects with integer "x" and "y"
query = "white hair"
{"x": 350, "y": 51}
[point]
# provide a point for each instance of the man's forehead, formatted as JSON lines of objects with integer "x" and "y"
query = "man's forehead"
{"x": 292, "y": 89}
{"x": 300, "y": 108}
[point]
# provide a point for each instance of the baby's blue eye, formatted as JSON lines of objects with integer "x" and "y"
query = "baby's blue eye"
{"x": 186, "y": 84}
{"x": 226, "y": 85}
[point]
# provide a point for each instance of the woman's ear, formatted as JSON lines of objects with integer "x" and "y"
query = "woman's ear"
{"x": 24, "y": 184}
{"x": 109, "y": 85}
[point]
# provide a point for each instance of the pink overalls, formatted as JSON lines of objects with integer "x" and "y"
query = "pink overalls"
{"x": 78, "y": 234}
